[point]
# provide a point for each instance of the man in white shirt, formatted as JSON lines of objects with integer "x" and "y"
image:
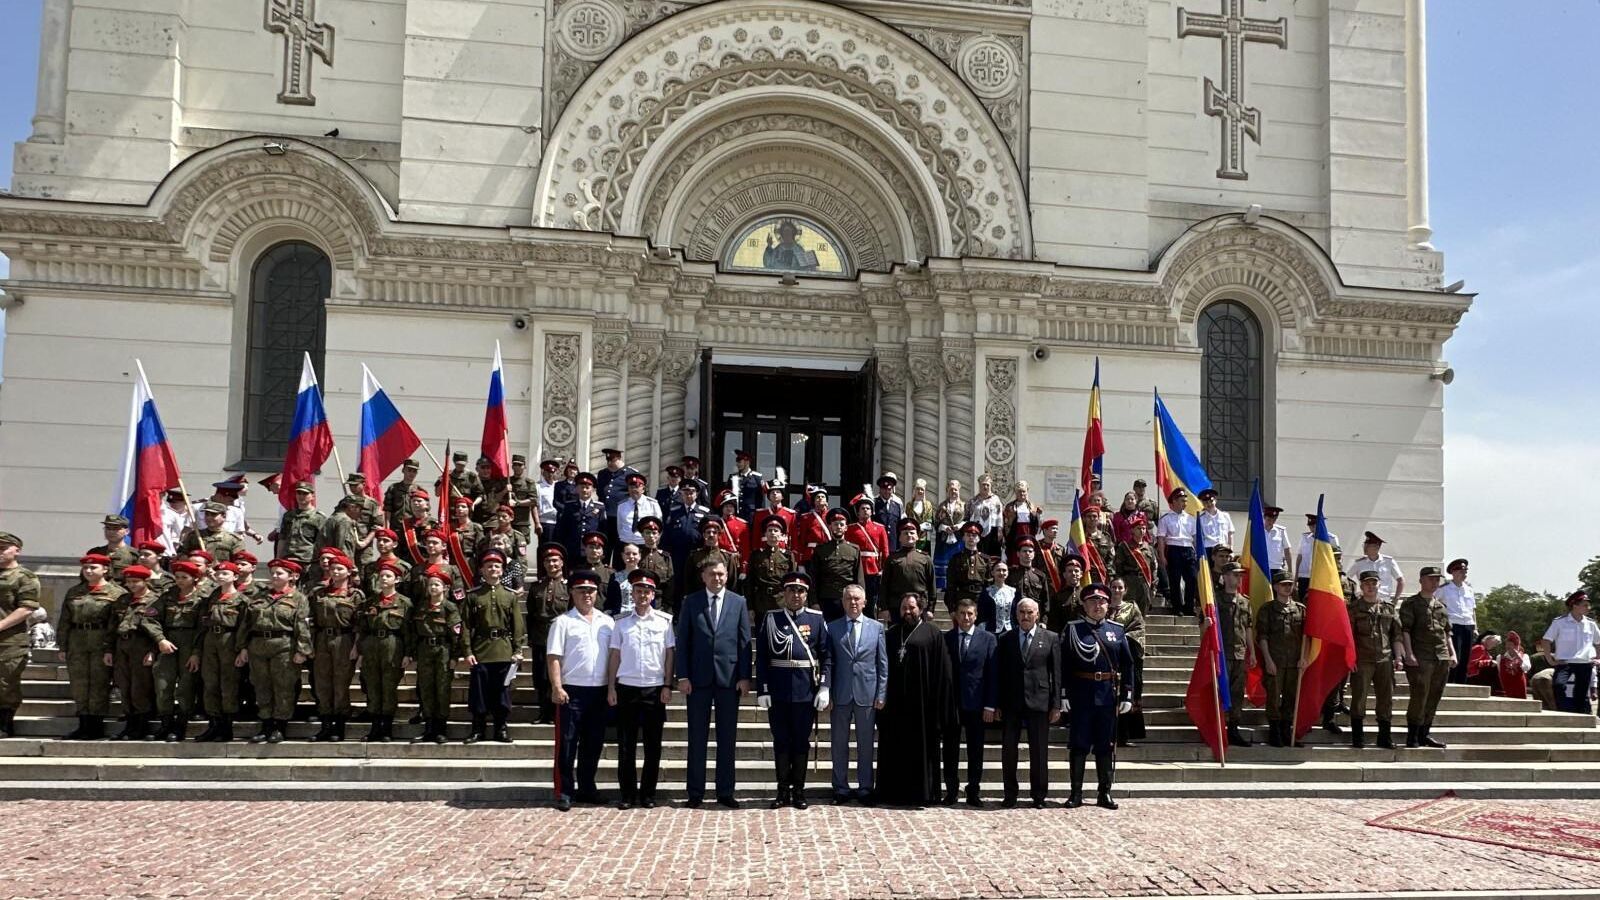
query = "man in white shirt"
{"x": 1302, "y": 569}
{"x": 1391, "y": 582}
{"x": 544, "y": 490}
{"x": 1175, "y": 554}
{"x": 1214, "y": 524}
{"x": 1572, "y": 643}
{"x": 175, "y": 520}
{"x": 576, "y": 654}
{"x": 1462, "y": 605}
{"x": 632, "y": 510}
{"x": 1278, "y": 555}
{"x": 641, "y": 656}
{"x": 984, "y": 510}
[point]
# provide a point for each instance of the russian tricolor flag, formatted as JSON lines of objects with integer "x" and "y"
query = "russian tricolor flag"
{"x": 310, "y": 439}
{"x": 149, "y": 468}
{"x": 494, "y": 422}
{"x": 386, "y": 437}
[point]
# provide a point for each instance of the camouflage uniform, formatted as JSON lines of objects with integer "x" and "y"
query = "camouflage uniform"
{"x": 19, "y": 589}
{"x": 175, "y": 685}
{"x": 1282, "y": 625}
{"x": 1425, "y": 619}
{"x": 86, "y": 632}
{"x": 435, "y": 635}
{"x": 1376, "y": 628}
{"x": 275, "y": 629}
{"x": 763, "y": 585}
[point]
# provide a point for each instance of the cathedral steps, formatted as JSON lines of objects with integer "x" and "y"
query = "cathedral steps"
{"x": 1498, "y": 747}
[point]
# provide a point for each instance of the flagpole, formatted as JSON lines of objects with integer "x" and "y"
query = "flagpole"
{"x": 1216, "y": 698}
{"x": 1299, "y": 680}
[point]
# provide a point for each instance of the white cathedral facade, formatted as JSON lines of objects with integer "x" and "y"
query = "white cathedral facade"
{"x": 852, "y": 237}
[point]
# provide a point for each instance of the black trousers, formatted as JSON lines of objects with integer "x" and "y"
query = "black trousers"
{"x": 1571, "y": 683}
{"x": 581, "y": 724}
{"x": 969, "y": 731}
{"x": 639, "y": 709}
{"x": 487, "y": 691}
{"x": 1461, "y": 638}
{"x": 1037, "y": 724}
{"x": 1183, "y": 586}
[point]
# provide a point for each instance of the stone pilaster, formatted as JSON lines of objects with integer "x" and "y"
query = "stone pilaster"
{"x": 1000, "y": 421}
{"x": 959, "y": 362}
{"x": 926, "y": 375}
{"x": 559, "y": 433}
{"x": 892, "y": 410}
{"x": 610, "y": 340}
{"x": 678, "y": 361}
{"x": 644, "y": 358}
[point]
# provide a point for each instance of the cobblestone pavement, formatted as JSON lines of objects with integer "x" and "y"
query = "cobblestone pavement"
{"x": 426, "y": 850}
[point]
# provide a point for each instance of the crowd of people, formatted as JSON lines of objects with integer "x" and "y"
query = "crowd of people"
{"x": 621, "y": 597}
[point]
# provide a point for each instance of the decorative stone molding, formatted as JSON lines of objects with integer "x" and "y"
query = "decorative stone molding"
{"x": 644, "y": 357}
{"x": 560, "y": 431}
{"x": 767, "y": 51}
{"x": 959, "y": 408}
{"x": 303, "y": 38}
{"x": 1000, "y": 419}
{"x": 610, "y": 342}
{"x": 583, "y": 32}
{"x": 926, "y": 377}
{"x": 1263, "y": 261}
{"x": 679, "y": 357}
{"x": 891, "y": 409}
{"x": 992, "y": 65}
{"x": 793, "y": 299}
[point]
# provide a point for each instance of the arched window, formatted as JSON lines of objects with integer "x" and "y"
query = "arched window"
{"x": 1230, "y": 397}
{"x": 287, "y": 319}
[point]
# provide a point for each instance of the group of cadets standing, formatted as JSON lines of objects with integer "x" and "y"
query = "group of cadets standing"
{"x": 182, "y": 627}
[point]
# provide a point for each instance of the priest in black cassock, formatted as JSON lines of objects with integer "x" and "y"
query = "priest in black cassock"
{"x": 919, "y": 706}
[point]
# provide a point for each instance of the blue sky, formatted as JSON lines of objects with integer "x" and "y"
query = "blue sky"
{"x": 1514, "y": 125}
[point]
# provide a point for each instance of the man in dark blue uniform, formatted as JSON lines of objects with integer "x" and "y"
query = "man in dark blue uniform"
{"x": 888, "y": 509}
{"x": 691, "y": 475}
{"x": 791, "y": 648}
{"x": 667, "y": 494}
{"x": 611, "y": 486}
{"x": 747, "y": 485}
{"x": 1098, "y": 665}
{"x": 680, "y": 533}
{"x": 580, "y": 516}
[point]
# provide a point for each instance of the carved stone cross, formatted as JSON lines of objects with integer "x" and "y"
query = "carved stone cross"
{"x": 302, "y": 37}
{"x": 1227, "y": 102}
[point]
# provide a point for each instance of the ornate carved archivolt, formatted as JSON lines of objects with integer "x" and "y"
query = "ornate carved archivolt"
{"x": 892, "y": 89}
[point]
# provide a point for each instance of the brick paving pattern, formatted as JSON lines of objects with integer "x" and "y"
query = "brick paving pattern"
{"x": 438, "y": 850}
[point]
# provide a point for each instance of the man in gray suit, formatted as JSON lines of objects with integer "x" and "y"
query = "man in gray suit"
{"x": 713, "y": 669}
{"x": 857, "y": 679}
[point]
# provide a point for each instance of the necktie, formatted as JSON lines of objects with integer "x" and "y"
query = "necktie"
{"x": 635, "y": 525}
{"x": 1027, "y": 641}
{"x": 854, "y": 637}
{"x": 716, "y": 610}
{"x": 964, "y": 638}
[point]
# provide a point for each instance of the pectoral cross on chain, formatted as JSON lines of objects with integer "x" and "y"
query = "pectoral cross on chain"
{"x": 303, "y": 37}
{"x": 1234, "y": 29}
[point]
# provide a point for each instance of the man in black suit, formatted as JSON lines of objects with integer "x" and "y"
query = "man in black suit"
{"x": 974, "y": 657}
{"x": 713, "y": 669}
{"x": 1030, "y": 698}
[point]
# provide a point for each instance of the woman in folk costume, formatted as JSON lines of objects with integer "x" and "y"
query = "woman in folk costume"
{"x": 1130, "y": 725}
{"x": 1135, "y": 563}
{"x": 1514, "y": 666}
{"x": 1021, "y": 516}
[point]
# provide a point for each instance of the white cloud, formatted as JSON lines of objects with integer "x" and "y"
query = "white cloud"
{"x": 1521, "y": 508}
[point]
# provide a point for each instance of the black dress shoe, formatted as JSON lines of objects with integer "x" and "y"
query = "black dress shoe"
{"x": 1009, "y": 803}
{"x": 563, "y": 804}
{"x": 949, "y": 799}
{"x": 867, "y": 799}
{"x": 1038, "y": 804}
{"x": 777, "y": 803}
{"x": 975, "y": 802}
{"x": 729, "y": 802}
{"x": 799, "y": 802}
{"x": 1074, "y": 801}
{"x": 647, "y": 803}
{"x": 1104, "y": 801}
{"x": 693, "y": 802}
{"x": 841, "y": 799}
{"x": 624, "y": 804}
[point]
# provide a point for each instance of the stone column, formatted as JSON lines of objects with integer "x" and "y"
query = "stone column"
{"x": 677, "y": 364}
{"x": 959, "y": 403}
{"x": 1000, "y": 421}
{"x": 610, "y": 340}
{"x": 50, "y": 112}
{"x": 1418, "y": 231}
{"x": 644, "y": 357}
{"x": 892, "y": 411}
{"x": 926, "y": 376}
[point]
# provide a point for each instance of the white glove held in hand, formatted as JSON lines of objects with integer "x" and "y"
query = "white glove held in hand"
{"x": 1124, "y": 708}
{"x": 822, "y": 699}
{"x": 764, "y": 701}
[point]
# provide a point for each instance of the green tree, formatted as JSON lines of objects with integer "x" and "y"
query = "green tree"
{"x": 1589, "y": 578}
{"x": 1512, "y": 607}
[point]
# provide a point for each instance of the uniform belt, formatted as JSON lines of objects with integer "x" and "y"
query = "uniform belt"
{"x": 496, "y": 633}
{"x": 90, "y": 627}
{"x": 871, "y": 553}
{"x": 183, "y": 627}
{"x": 271, "y": 634}
{"x": 436, "y": 641}
{"x": 218, "y": 629}
{"x": 793, "y": 664}
{"x": 382, "y": 632}
{"x": 330, "y": 630}
{"x": 1095, "y": 676}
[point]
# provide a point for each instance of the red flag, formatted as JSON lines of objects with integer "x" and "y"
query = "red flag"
{"x": 1208, "y": 694}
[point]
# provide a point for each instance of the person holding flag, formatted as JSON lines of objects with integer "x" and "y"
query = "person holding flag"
{"x": 1181, "y": 478}
{"x": 1279, "y": 632}
{"x": 387, "y": 439}
{"x": 1209, "y": 694}
{"x": 1237, "y": 627}
{"x": 495, "y": 448}
{"x": 1330, "y": 650}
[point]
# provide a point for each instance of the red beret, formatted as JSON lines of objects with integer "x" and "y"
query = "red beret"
{"x": 461, "y": 501}
{"x": 229, "y": 566}
{"x": 386, "y": 533}
{"x": 437, "y": 572}
{"x": 152, "y": 546}
{"x": 245, "y": 556}
{"x": 202, "y": 554}
{"x": 391, "y": 565}
{"x": 419, "y": 492}
{"x": 1049, "y": 523}
{"x": 285, "y": 564}
{"x": 95, "y": 559}
{"x": 439, "y": 533}
{"x": 136, "y": 572}
{"x": 184, "y": 567}
{"x": 339, "y": 559}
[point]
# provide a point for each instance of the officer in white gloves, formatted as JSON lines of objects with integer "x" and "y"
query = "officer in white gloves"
{"x": 791, "y": 653}
{"x": 1098, "y": 664}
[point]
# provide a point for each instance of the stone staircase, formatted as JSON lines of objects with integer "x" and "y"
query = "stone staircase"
{"x": 1497, "y": 747}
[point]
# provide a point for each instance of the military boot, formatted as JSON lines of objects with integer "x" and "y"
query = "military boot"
{"x": 325, "y": 730}
{"x": 1105, "y": 770}
{"x": 131, "y": 728}
{"x": 782, "y": 799}
{"x": 1236, "y": 737}
{"x": 797, "y": 781}
{"x": 7, "y": 722}
{"x": 1329, "y": 725}
{"x": 477, "y": 732}
{"x": 81, "y": 733}
{"x": 1411, "y": 737}
{"x": 501, "y": 732}
{"x": 213, "y": 724}
{"x": 439, "y": 728}
{"x": 1385, "y": 740}
{"x": 224, "y": 733}
{"x": 174, "y": 727}
{"x": 1274, "y": 734}
{"x": 428, "y": 732}
{"x": 337, "y": 736}
{"x": 1358, "y": 737}
{"x": 1080, "y": 761}
{"x": 280, "y": 729}
{"x": 260, "y": 737}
